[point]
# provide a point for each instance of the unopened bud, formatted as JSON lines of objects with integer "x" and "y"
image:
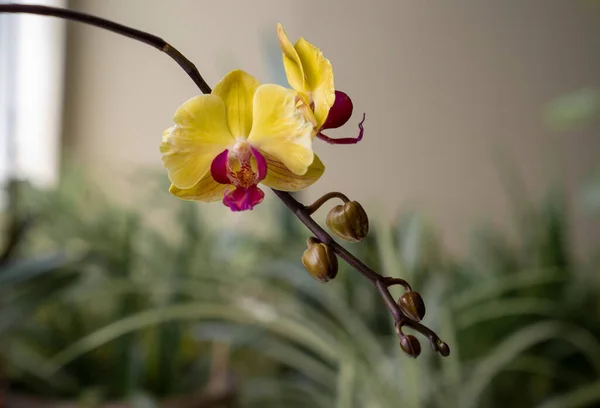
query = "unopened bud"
{"x": 443, "y": 348}
{"x": 412, "y": 305}
{"x": 319, "y": 260}
{"x": 410, "y": 345}
{"x": 348, "y": 221}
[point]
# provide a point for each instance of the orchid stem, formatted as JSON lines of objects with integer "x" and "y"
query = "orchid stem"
{"x": 397, "y": 281}
{"x": 302, "y": 212}
{"x": 382, "y": 283}
{"x": 120, "y": 29}
{"x": 317, "y": 204}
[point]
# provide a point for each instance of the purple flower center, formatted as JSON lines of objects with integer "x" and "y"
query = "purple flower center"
{"x": 243, "y": 167}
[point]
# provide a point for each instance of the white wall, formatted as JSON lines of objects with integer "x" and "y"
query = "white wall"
{"x": 446, "y": 86}
{"x": 32, "y": 56}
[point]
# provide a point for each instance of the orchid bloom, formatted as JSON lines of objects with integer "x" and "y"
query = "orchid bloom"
{"x": 310, "y": 73}
{"x": 242, "y": 134}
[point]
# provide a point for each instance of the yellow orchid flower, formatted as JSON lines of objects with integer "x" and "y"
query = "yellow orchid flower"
{"x": 310, "y": 73}
{"x": 242, "y": 134}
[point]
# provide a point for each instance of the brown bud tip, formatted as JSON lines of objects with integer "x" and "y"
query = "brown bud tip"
{"x": 320, "y": 261}
{"x": 412, "y": 305}
{"x": 410, "y": 345}
{"x": 443, "y": 349}
{"x": 348, "y": 221}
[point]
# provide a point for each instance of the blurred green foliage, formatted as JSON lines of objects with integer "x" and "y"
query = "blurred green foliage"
{"x": 573, "y": 109}
{"x": 159, "y": 301}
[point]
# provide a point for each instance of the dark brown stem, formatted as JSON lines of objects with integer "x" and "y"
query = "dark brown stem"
{"x": 138, "y": 35}
{"x": 317, "y": 204}
{"x": 303, "y": 213}
{"x": 397, "y": 281}
{"x": 389, "y": 300}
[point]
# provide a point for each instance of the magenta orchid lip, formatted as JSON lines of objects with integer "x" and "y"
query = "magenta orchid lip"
{"x": 245, "y": 194}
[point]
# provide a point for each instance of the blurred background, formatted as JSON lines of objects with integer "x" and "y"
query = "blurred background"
{"x": 479, "y": 169}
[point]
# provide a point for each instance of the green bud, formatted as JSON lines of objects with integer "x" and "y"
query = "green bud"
{"x": 410, "y": 345}
{"x": 412, "y": 305}
{"x": 319, "y": 260}
{"x": 348, "y": 221}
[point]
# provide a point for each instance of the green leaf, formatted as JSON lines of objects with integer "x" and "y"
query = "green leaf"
{"x": 582, "y": 397}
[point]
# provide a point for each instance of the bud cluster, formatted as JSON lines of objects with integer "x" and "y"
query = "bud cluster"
{"x": 350, "y": 222}
{"x": 413, "y": 309}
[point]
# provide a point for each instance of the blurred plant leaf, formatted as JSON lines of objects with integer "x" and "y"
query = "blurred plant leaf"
{"x": 587, "y": 396}
{"x": 573, "y": 109}
{"x": 591, "y": 193}
{"x": 23, "y": 270}
{"x": 162, "y": 282}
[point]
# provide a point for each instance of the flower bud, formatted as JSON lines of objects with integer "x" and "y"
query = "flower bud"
{"x": 412, "y": 305}
{"x": 319, "y": 260}
{"x": 443, "y": 348}
{"x": 348, "y": 221}
{"x": 410, "y": 345}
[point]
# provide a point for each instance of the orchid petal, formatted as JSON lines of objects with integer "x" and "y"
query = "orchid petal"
{"x": 281, "y": 178}
{"x": 200, "y": 134}
{"x": 261, "y": 164}
{"x": 218, "y": 168}
{"x": 207, "y": 190}
{"x": 291, "y": 61}
{"x": 282, "y": 127}
{"x": 236, "y": 90}
{"x": 318, "y": 75}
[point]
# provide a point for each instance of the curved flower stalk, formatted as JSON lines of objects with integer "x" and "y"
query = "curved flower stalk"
{"x": 241, "y": 134}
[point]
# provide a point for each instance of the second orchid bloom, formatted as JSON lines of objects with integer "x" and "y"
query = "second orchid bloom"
{"x": 310, "y": 73}
{"x": 224, "y": 144}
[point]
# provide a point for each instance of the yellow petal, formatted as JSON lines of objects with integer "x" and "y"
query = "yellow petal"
{"x": 319, "y": 78}
{"x": 236, "y": 90}
{"x": 317, "y": 69}
{"x": 207, "y": 190}
{"x": 281, "y": 178}
{"x": 200, "y": 134}
{"x": 281, "y": 127}
{"x": 291, "y": 61}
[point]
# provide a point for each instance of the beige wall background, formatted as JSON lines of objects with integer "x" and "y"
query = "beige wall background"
{"x": 447, "y": 87}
